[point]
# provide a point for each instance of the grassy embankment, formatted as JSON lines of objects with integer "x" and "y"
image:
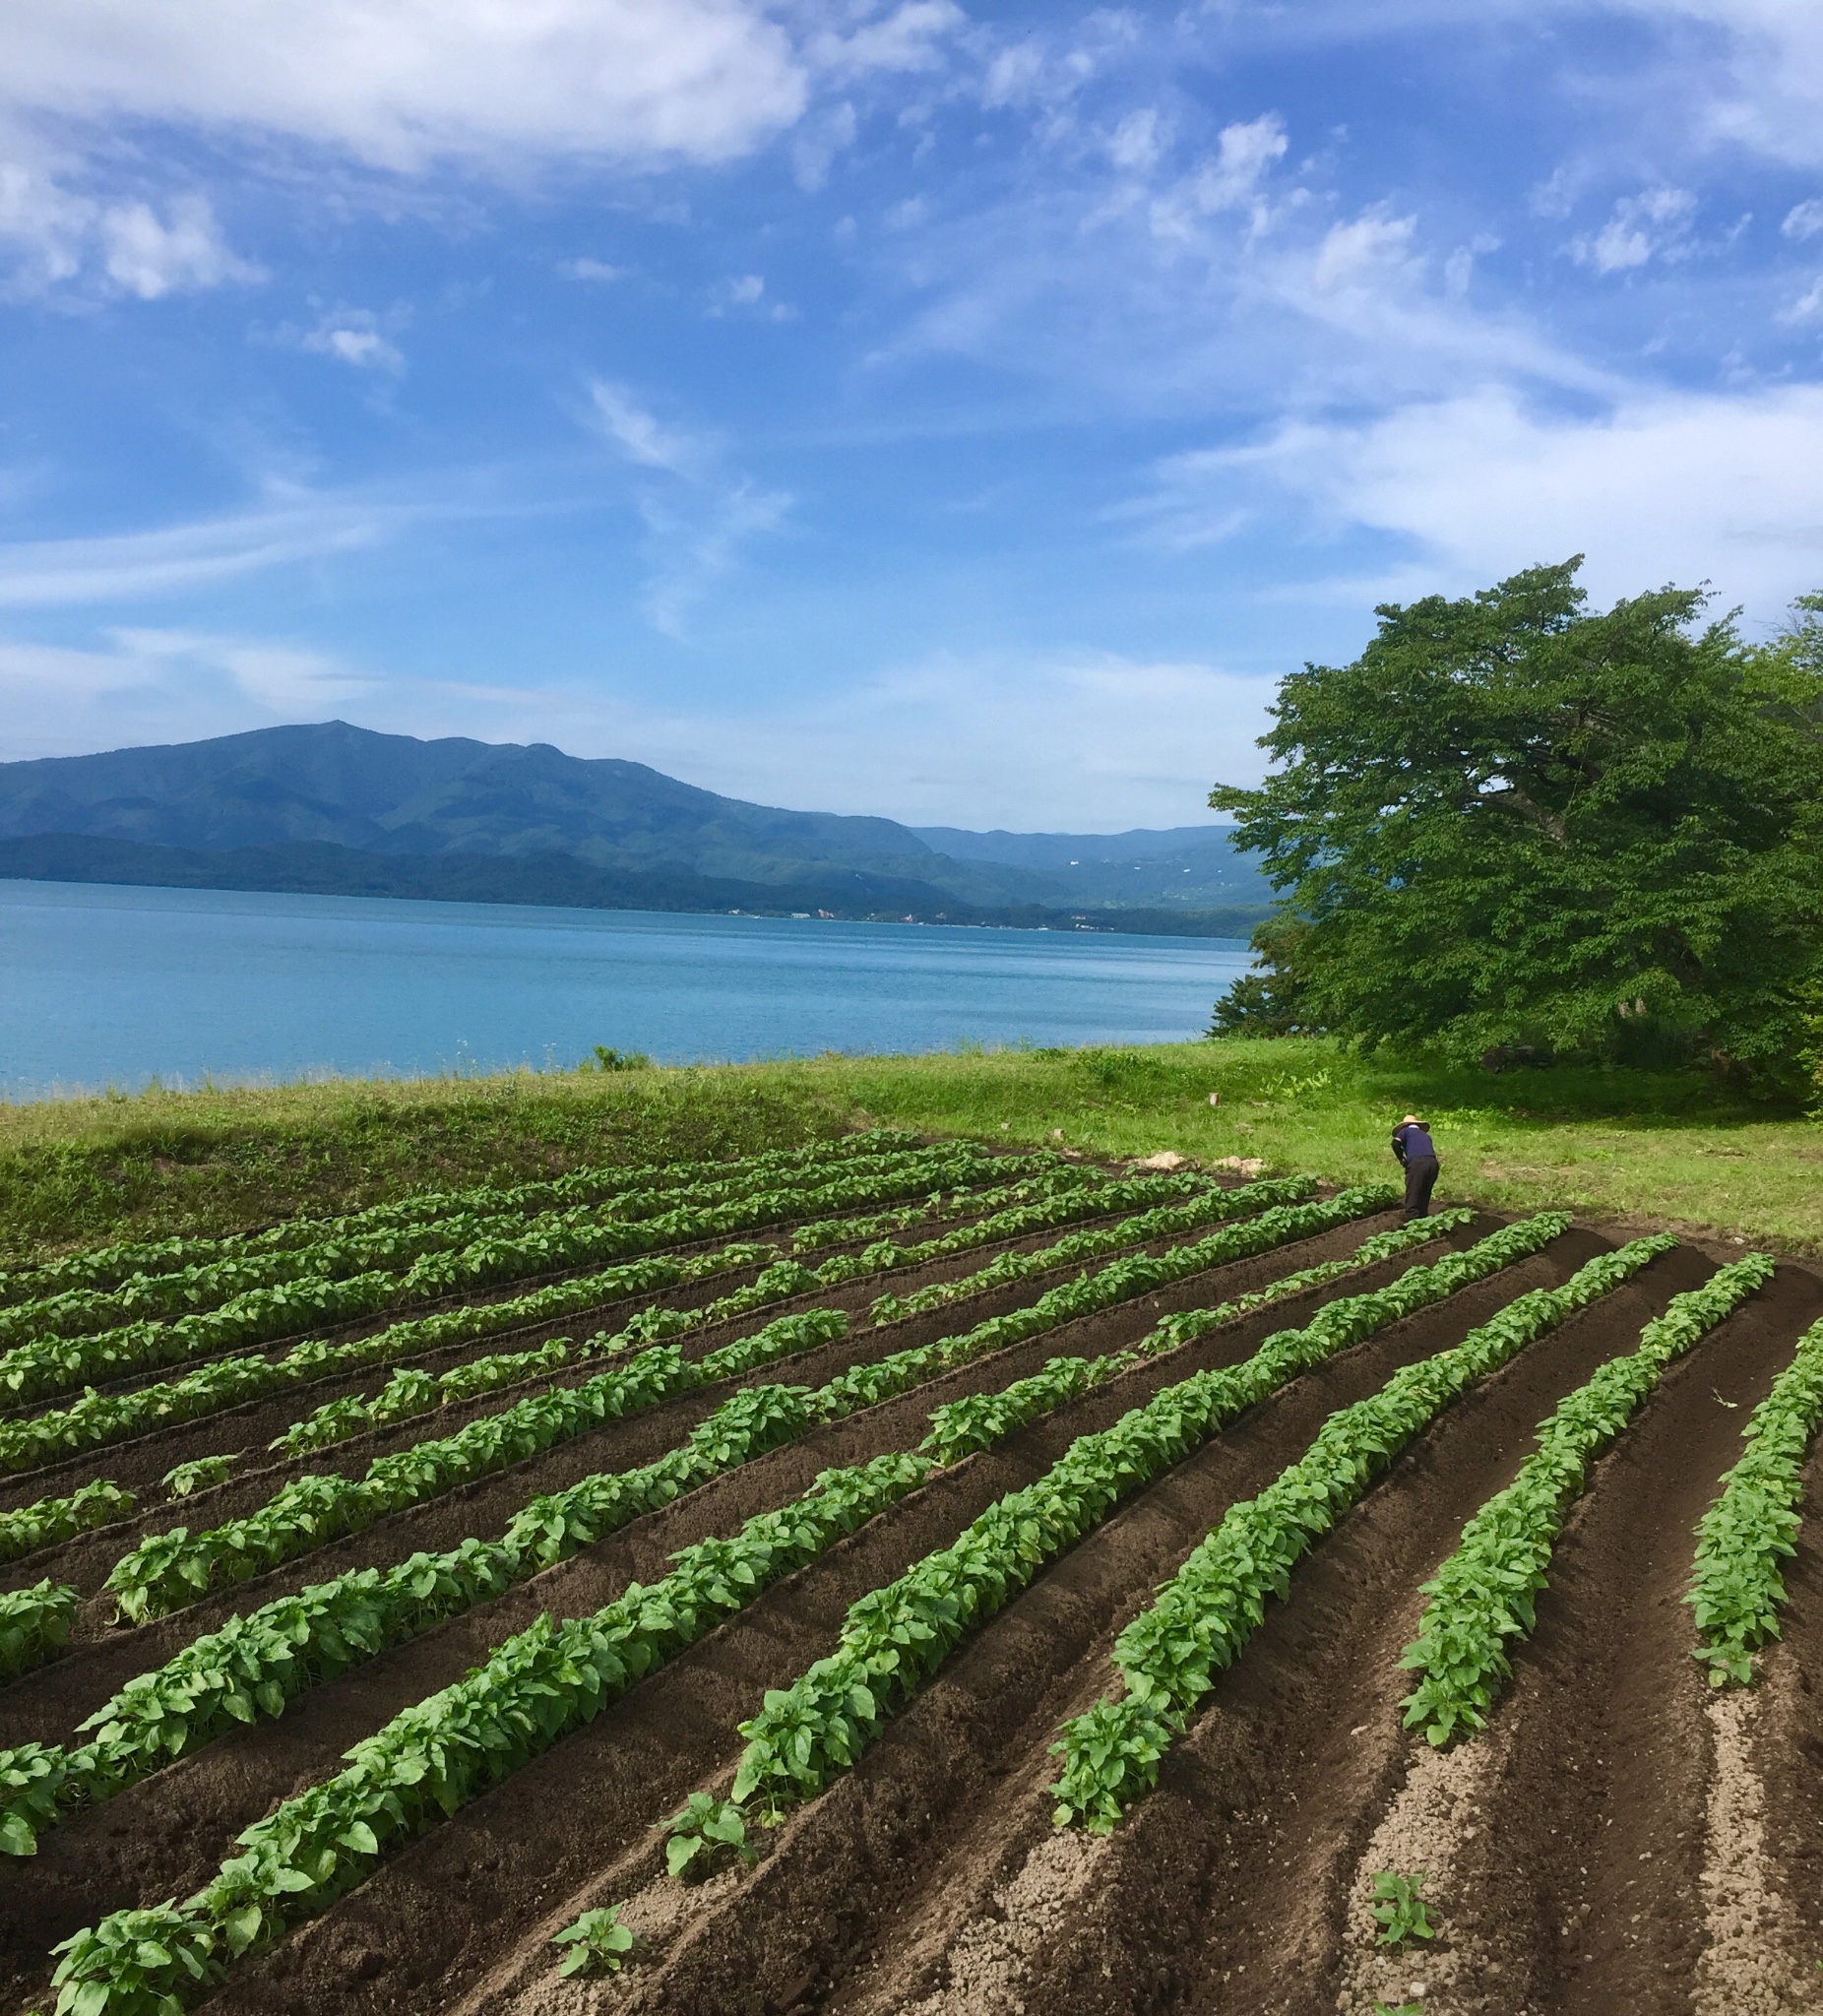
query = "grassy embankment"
{"x": 1676, "y": 1150}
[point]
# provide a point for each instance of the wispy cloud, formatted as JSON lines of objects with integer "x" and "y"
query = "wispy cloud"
{"x": 129, "y": 566}
{"x": 699, "y": 514}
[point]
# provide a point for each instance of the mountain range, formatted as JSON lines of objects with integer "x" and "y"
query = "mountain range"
{"x": 343, "y": 810}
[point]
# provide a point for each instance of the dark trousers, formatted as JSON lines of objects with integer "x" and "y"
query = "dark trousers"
{"x": 1420, "y": 1179}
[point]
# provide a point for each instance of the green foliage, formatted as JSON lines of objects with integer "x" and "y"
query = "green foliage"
{"x": 1205, "y": 1613}
{"x": 37, "y": 1525}
{"x": 1736, "y": 1588}
{"x": 435, "y": 1756}
{"x": 598, "y": 1939}
{"x": 33, "y": 1623}
{"x": 1485, "y": 1593}
{"x": 1516, "y": 825}
{"x": 895, "y": 1637}
{"x": 475, "y": 1253}
{"x": 201, "y": 1474}
{"x": 706, "y": 1835}
{"x": 1400, "y": 1910}
{"x": 100, "y": 1417}
{"x": 605, "y": 1059}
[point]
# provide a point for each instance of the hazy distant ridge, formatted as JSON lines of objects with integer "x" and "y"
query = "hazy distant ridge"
{"x": 622, "y": 830}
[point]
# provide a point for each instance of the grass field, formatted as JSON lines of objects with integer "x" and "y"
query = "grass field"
{"x": 1615, "y": 1146}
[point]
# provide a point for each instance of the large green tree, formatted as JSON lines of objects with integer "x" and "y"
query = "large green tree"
{"x": 1516, "y": 825}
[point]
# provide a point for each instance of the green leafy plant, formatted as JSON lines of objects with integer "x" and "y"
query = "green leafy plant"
{"x": 598, "y": 1941}
{"x": 707, "y": 1834}
{"x": 1205, "y": 1613}
{"x": 1736, "y": 1588}
{"x": 37, "y": 1525}
{"x": 33, "y": 1623}
{"x": 1483, "y": 1598}
{"x": 429, "y": 1761}
{"x": 895, "y": 1637}
{"x": 605, "y": 1059}
{"x": 201, "y": 1474}
{"x": 1398, "y": 1910}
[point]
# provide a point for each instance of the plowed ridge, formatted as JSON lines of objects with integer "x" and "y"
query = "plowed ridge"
{"x": 1602, "y": 1845}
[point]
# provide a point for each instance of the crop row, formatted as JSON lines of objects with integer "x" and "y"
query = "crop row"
{"x": 430, "y": 1760}
{"x": 1487, "y": 1591}
{"x": 254, "y": 1664}
{"x": 52, "y": 1365}
{"x": 339, "y": 1419}
{"x": 895, "y": 1637}
{"x": 101, "y": 1418}
{"x": 1205, "y": 1613}
{"x": 170, "y": 1569}
{"x": 189, "y": 1290}
{"x": 49, "y": 1519}
{"x": 1737, "y": 1590}
{"x": 426, "y": 1763}
{"x": 103, "y": 1266}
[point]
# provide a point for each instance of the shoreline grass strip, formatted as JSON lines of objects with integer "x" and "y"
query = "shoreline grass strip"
{"x": 53, "y": 1364}
{"x": 895, "y": 1637}
{"x": 254, "y": 1664}
{"x": 1205, "y": 1615}
{"x": 1736, "y": 1588}
{"x": 1486, "y": 1593}
{"x": 433, "y": 1759}
{"x": 104, "y": 1266}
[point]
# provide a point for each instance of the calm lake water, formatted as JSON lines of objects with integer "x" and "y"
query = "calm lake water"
{"x": 103, "y": 985}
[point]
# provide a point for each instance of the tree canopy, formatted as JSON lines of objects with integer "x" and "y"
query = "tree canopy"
{"x": 1518, "y": 826}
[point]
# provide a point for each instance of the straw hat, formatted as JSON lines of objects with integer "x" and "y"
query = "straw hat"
{"x": 1411, "y": 1120}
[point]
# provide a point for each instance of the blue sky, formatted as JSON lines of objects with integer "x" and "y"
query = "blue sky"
{"x": 960, "y": 413}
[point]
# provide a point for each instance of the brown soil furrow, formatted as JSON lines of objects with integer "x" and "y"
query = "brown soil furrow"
{"x": 1591, "y": 1899}
{"x": 857, "y": 1852}
{"x": 140, "y": 1463}
{"x": 45, "y": 1703}
{"x": 1236, "y": 1866}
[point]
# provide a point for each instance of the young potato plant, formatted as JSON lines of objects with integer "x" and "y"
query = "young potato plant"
{"x": 429, "y": 1761}
{"x": 106, "y": 1266}
{"x": 708, "y": 1834}
{"x": 169, "y": 1570}
{"x": 34, "y": 1623}
{"x": 895, "y": 1637}
{"x": 201, "y": 1474}
{"x": 1400, "y": 1910}
{"x": 1205, "y": 1613}
{"x": 37, "y": 1525}
{"x": 255, "y": 1665}
{"x": 1483, "y": 1598}
{"x": 53, "y": 1364}
{"x": 1736, "y": 1588}
{"x": 598, "y": 1943}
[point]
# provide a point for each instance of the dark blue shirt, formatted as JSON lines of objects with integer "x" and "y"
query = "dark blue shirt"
{"x": 1412, "y": 1143}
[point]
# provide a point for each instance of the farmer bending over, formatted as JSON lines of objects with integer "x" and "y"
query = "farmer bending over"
{"x": 1418, "y": 1156}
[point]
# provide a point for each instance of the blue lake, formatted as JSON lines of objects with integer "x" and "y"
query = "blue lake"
{"x": 103, "y": 985}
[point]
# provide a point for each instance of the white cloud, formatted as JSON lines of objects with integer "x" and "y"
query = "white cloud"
{"x": 1681, "y": 486}
{"x": 595, "y": 270}
{"x": 639, "y": 435}
{"x": 58, "y": 237}
{"x": 1805, "y": 219}
{"x": 353, "y": 336}
{"x": 400, "y": 83}
{"x": 1653, "y": 223}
